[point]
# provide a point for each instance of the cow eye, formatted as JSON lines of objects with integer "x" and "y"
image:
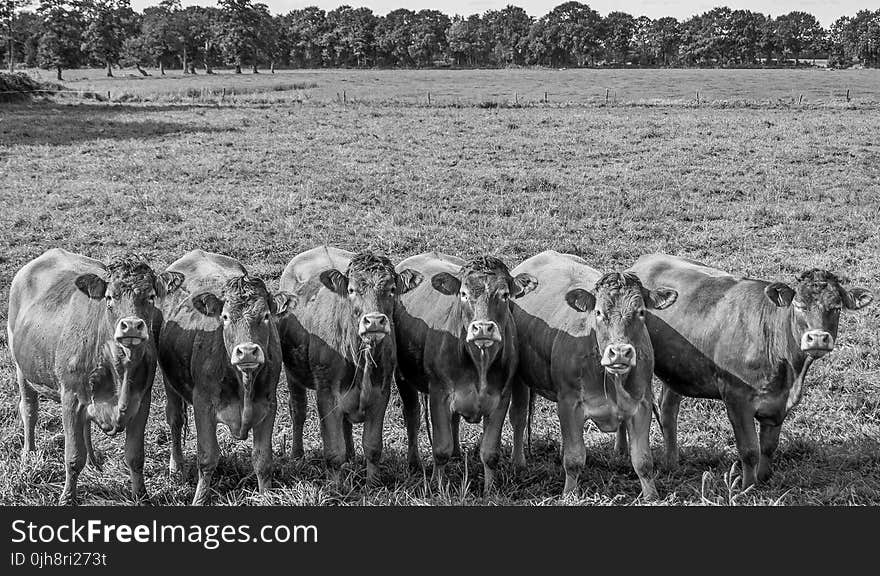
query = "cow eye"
{"x": 266, "y": 317}
{"x": 505, "y": 296}
{"x": 598, "y": 313}
{"x": 641, "y": 312}
{"x": 392, "y": 290}
{"x": 225, "y": 317}
{"x": 463, "y": 296}
{"x": 351, "y": 291}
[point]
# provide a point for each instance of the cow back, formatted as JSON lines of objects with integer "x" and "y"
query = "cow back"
{"x": 54, "y": 328}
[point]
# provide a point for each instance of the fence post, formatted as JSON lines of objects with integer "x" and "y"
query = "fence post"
{"x": 108, "y": 96}
{"x": 429, "y": 98}
{"x": 344, "y": 97}
{"x": 606, "y": 96}
{"x": 847, "y": 94}
{"x": 698, "y": 97}
{"x": 545, "y": 97}
{"x": 516, "y": 99}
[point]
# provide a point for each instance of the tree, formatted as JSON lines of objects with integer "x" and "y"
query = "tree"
{"x": 619, "y": 28}
{"x": 60, "y": 43}
{"x": 303, "y": 31}
{"x": 573, "y": 30}
{"x": 8, "y": 10}
{"x": 428, "y": 40}
{"x": 394, "y": 35}
{"x": 506, "y": 35}
{"x": 798, "y": 32}
{"x": 238, "y": 30}
{"x": 108, "y": 23}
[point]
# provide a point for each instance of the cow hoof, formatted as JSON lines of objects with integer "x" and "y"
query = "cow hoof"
{"x": 297, "y": 453}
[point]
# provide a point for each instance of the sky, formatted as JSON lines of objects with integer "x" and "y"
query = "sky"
{"x": 827, "y": 11}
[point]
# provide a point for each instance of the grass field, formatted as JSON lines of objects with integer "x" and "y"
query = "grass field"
{"x": 525, "y": 86}
{"x": 763, "y": 191}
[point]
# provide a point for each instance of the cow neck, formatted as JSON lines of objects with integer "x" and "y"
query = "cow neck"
{"x": 482, "y": 361}
{"x": 115, "y": 361}
{"x": 622, "y": 399}
{"x": 785, "y": 350}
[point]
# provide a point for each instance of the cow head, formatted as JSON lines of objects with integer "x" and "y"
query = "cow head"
{"x": 246, "y": 309}
{"x": 484, "y": 286}
{"x": 816, "y": 301}
{"x": 619, "y": 302}
{"x": 372, "y": 287}
{"x": 131, "y": 293}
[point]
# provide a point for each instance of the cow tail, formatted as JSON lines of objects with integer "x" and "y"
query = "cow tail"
{"x": 529, "y": 423}
{"x": 427, "y": 420}
{"x": 656, "y": 410}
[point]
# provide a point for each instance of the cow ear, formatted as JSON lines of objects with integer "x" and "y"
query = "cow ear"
{"x": 660, "y": 298}
{"x": 92, "y": 286}
{"x": 446, "y": 283}
{"x": 856, "y": 298}
{"x": 168, "y": 282}
{"x": 779, "y": 293}
{"x": 581, "y": 300}
{"x": 408, "y": 280}
{"x": 207, "y": 304}
{"x": 281, "y": 302}
{"x": 522, "y": 284}
{"x": 335, "y": 281}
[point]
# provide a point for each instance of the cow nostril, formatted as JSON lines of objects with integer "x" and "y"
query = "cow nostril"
{"x": 140, "y": 325}
{"x": 382, "y": 320}
{"x": 489, "y": 328}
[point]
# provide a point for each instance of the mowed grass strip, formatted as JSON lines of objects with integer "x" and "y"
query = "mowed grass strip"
{"x": 763, "y": 193}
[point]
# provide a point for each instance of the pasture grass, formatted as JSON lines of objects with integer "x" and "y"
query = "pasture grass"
{"x": 762, "y": 192}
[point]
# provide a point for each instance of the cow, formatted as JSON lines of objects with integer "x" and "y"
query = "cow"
{"x": 457, "y": 344}
{"x": 84, "y": 334}
{"x": 340, "y": 342}
{"x": 584, "y": 345}
{"x": 746, "y": 342}
{"x": 219, "y": 351}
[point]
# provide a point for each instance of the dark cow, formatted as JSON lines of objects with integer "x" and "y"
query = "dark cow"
{"x": 84, "y": 334}
{"x": 584, "y": 345}
{"x": 457, "y": 343}
{"x": 746, "y": 342}
{"x": 339, "y": 341}
{"x": 219, "y": 351}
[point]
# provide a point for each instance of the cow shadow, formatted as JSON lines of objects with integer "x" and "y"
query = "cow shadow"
{"x": 50, "y": 124}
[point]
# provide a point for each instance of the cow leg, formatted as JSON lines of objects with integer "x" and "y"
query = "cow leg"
{"x": 134, "y": 448}
{"x": 456, "y": 438}
{"x": 490, "y": 443}
{"x": 574, "y": 452}
{"x": 261, "y": 454}
{"x": 409, "y": 397}
{"x": 620, "y": 443}
{"x": 639, "y": 428}
{"x": 769, "y": 442}
{"x": 331, "y": 426}
{"x": 29, "y": 407}
{"x": 72, "y": 417}
{"x": 208, "y": 451}
{"x": 91, "y": 457}
{"x": 298, "y": 403}
{"x": 175, "y": 415}
{"x": 669, "y": 405}
{"x": 372, "y": 437}
{"x": 349, "y": 440}
{"x": 743, "y": 421}
{"x": 441, "y": 425}
{"x": 519, "y": 410}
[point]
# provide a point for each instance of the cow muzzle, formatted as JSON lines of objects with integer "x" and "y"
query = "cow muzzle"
{"x": 131, "y": 332}
{"x": 817, "y": 343}
{"x": 247, "y": 357}
{"x": 373, "y": 327}
{"x": 619, "y": 359}
{"x": 483, "y": 334}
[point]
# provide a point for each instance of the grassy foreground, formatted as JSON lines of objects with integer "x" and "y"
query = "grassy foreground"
{"x": 761, "y": 192}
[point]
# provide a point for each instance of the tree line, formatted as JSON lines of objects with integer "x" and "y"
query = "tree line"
{"x": 59, "y": 34}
